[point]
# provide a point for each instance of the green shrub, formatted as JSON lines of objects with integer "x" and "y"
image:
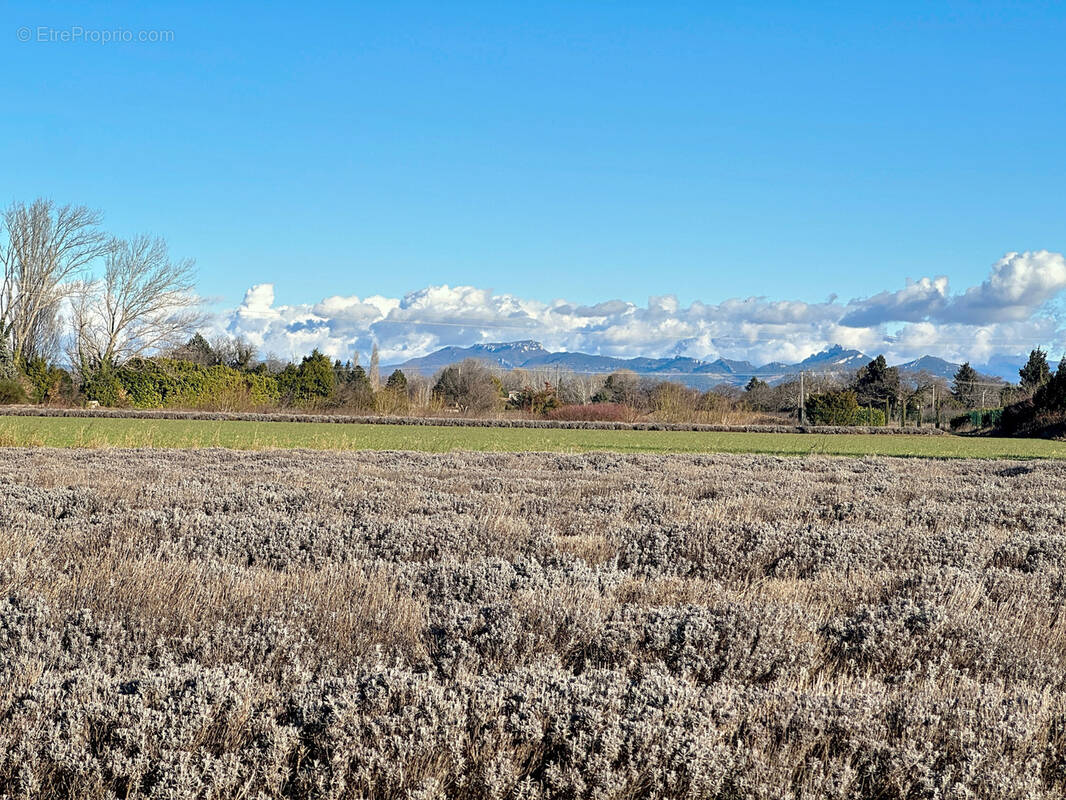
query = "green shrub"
{"x": 977, "y": 419}
{"x": 991, "y": 417}
{"x": 11, "y": 392}
{"x": 104, "y": 386}
{"x": 535, "y": 401}
{"x": 312, "y": 381}
{"x": 1044, "y": 414}
{"x": 48, "y": 383}
{"x": 833, "y": 408}
{"x": 158, "y": 383}
{"x": 873, "y": 417}
{"x": 841, "y": 408}
{"x": 145, "y": 383}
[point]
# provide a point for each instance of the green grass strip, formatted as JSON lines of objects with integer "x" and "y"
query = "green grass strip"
{"x": 74, "y": 432}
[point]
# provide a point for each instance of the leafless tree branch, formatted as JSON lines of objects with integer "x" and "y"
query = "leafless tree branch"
{"x": 47, "y": 247}
{"x": 144, "y": 303}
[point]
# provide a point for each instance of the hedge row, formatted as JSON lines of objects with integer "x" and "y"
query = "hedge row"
{"x": 462, "y": 422}
{"x": 980, "y": 418}
{"x": 161, "y": 383}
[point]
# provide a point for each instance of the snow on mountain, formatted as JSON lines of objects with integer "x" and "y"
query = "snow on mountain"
{"x": 529, "y": 354}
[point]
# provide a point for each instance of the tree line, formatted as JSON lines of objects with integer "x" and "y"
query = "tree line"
{"x": 123, "y": 315}
{"x": 878, "y": 394}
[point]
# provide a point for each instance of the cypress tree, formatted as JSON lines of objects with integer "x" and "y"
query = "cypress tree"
{"x": 964, "y": 386}
{"x": 1036, "y": 371}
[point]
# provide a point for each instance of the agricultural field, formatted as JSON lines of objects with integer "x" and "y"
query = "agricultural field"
{"x": 250, "y": 435}
{"x": 213, "y": 623}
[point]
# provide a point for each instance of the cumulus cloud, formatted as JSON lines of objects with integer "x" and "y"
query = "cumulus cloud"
{"x": 917, "y": 301}
{"x": 1007, "y": 313}
{"x": 1019, "y": 285}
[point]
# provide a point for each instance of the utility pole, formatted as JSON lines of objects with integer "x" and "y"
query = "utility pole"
{"x": 803, "y": 409}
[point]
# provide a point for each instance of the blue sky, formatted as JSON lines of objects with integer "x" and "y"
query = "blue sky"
{"x": 586, "y": 151}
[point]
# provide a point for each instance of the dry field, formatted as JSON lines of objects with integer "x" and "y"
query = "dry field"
{"x": 218, "y": 624}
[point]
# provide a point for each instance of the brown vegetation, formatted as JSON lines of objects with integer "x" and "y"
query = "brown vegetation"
{"x": 219, "y": 624}
{"x": 478, "y": 422}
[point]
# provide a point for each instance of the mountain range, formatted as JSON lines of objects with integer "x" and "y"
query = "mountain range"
{"x": 694, "y": 372}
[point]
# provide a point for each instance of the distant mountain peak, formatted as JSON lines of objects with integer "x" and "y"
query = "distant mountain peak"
{"x": 522, "y": 346}
{"x": 530, "y": 354}
{"x": 834, "y": 356}
{"x": 929, "y": 363}
{"x": 941, "y": 368}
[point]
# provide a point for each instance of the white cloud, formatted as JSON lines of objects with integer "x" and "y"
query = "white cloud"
{"x": 1019, "y": 284}
{"x": 258, "y": 303}
{"x": 1008, "y": 313}
{"x": 917, "y": 301}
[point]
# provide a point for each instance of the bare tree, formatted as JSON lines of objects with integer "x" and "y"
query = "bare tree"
{"x": 44, "y": 337}
{"x": 468, "y": 386}
{"x": 420, "y": 390}
{"x": 375, "y": 370}
{"x": 144, "y": 303}
{"x": 47, "y": 248}
{"x": 234, "y": 351}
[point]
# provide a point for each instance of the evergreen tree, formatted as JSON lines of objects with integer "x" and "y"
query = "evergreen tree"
{"x": 314, "y": 379}
{"x": 357, "y": 390}
{"x": 357, "y": 379}
{"x": 317, "y": 374}
{"x": 833, "y": 408}
{"x": 397, "y": 382}
{"x": 1036, "y": 371}
{"x": 964, "y": 385}
{"x": 341, "y": 371}
{"x": 758, "y": 395}
{"x": 1052, "y": 395}
{"x": 619, "y": 387}
{"x": 197, "y": 350}
{"x": 877, "y": 382}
